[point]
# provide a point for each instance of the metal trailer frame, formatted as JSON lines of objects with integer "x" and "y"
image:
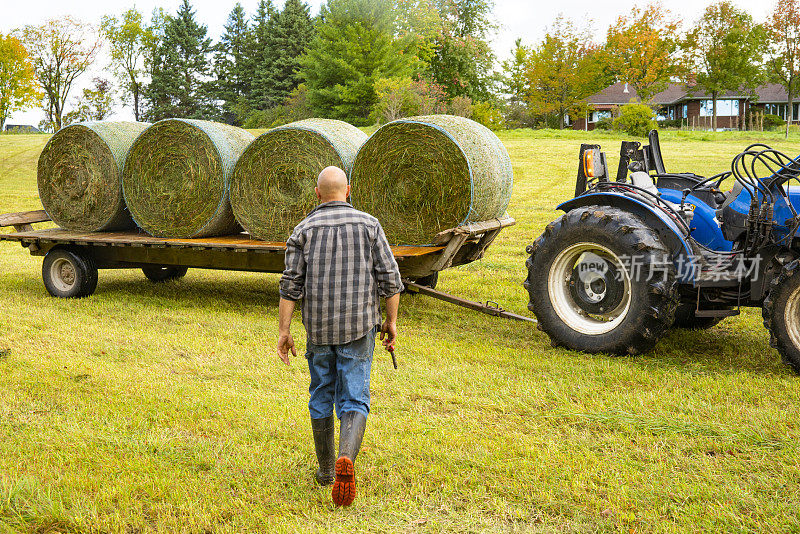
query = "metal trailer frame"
{"x": 135, "y": 249}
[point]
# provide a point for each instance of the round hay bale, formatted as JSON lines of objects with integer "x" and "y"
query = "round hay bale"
{"x": 80, "y": 175}
{"x": 272, "y": 188}
{"x": 176, "y": 178}
{"x": 422, "y": 175}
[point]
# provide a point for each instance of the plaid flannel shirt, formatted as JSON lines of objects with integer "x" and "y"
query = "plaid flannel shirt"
{"x": 339, "y": 262}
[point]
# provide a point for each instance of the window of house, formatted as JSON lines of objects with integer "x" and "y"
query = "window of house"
{"x": 596, "y": 116}
{"x": 776, "y": 109}
{"x": 725, "y": 108}
{"x": 667, "y": 113}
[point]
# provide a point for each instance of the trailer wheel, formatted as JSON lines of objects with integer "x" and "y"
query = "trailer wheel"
{"x": 164, "y": 273}
{"x": 599, "y": 280}
{"x": 781, "y": 313}
{"x": 68, "y": 273}
{"x": 429, "y": 281}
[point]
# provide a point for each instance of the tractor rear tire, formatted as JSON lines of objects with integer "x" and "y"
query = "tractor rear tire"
{"x": 781, "y": 313}
{"x": 165, "y": 273}
{"x": 586, "y": 298}
{"x": 685, "y": 318}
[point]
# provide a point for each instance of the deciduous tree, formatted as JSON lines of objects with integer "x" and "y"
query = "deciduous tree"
{"x": 128, "y": 38}
{"x": 783, "y": 63}
{"x": 18, "y": 88}
{"x": 562, "y": 71}
{"x": 514, "y": 81}
{"x": 462, "y": 59}
{"x": 62, "y": 49}
{"x": 95, "y": 103}
{"x": 725, "y": 48}
{"x": 642, "y": 49}
{"x": 395, "y": 99}
{"x": 514, "y": 87}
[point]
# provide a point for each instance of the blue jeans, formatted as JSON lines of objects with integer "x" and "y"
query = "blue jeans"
{"x": 340, "y": 376}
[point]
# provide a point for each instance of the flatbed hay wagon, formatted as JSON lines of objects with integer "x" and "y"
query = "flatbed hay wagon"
{"x": 72, "y": 259}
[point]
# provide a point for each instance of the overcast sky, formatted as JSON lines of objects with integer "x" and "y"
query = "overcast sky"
{"x": 527, "y": 19}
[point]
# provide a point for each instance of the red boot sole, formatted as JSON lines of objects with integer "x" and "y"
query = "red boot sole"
{"x": 344, "y": 487}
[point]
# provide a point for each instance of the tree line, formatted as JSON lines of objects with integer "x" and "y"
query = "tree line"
{"x": 368, "y": 61}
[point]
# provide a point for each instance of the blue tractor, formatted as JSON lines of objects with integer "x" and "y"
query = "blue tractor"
{"x": 648, "y": 250}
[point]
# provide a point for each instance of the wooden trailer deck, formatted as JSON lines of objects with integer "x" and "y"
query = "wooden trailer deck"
{"x": 130, "y": 249}
{"x": 72, "y": 259}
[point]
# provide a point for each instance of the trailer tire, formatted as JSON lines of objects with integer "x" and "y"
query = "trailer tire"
{"x": 429, "y": 281}
{"x": 685, "y": 318}
{"x": 164, "y": 273}
{"x": 781, "y": 314}
{"x": 585, "y": 297}
{"x": 69, "y": 273}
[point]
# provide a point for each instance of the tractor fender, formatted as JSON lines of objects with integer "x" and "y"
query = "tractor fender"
{"x": 669, "y": 232}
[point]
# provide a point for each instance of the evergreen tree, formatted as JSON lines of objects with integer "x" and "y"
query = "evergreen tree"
{"x": 290, "y": 33}
{"x": 234, "y": 66}
{"x": 354, "y": 47}
{"x": 261, "y": 28}
{"x": 180, "y": 70}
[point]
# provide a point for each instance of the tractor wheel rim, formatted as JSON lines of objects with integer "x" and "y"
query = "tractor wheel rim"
{"x": 570, "y": 311}
{"x": 792, "y": 317}
{"x": 62, "y": 273}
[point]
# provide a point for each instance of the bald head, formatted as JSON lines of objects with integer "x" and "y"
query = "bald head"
{"x": 332, "y": 185}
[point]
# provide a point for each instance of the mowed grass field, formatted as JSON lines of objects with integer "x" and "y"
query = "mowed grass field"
{"x": 162, "y": 408}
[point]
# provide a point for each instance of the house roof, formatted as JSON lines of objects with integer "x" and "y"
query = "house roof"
{"x": 622, "y": 93}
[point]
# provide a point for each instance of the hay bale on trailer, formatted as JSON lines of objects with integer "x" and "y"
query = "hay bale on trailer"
{"x": 422, "y": 175}
{"x": 272, "y": 187}
{"x": 80, "y": 175}
{"x": 176, "y": 178}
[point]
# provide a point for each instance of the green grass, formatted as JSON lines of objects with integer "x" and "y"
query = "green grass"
{"x": 163, "y": 408}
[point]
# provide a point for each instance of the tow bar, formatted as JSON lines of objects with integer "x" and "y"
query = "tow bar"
{"x": 489, "y": 307}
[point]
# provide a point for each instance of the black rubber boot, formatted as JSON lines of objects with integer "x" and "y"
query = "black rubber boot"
{"x": 351, "y": 432}
{"x": 324, "y": 444}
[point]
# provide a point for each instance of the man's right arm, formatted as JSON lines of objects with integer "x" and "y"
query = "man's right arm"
{"x": 293, "y": 280}
{"x": 292, "y": 285}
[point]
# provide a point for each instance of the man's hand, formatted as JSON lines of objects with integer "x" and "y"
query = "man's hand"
{"x": 286, "y": 344}
{"x": 389, "y": 334}
{"x": 285, "y": 340}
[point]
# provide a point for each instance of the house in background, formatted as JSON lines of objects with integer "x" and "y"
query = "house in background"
{"x": 22, "y": 128}
{"x": 691, "y": 104}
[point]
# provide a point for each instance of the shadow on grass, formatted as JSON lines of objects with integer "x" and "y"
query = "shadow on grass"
{"x": 724, "y": 349}
{"x": 194, "y": 292}
{"x": 727, "y": 348}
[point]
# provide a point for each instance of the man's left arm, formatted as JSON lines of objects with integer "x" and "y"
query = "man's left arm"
{"x": 390, "y": 285}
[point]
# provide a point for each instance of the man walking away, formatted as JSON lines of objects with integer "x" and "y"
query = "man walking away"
{"x": 339, "y": 262}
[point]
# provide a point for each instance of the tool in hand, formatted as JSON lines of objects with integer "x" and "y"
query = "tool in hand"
{"x": 390, "y": 348}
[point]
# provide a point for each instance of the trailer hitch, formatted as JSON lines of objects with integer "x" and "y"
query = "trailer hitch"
{"x": 489, "y": 307}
